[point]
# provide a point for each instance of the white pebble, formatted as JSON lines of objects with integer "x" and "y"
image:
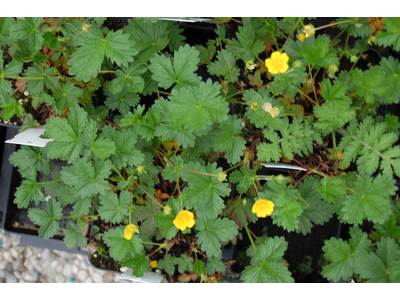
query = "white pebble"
{"x": 59, "y": 268}
{"x": 6, "y": 256}
{"x": 54, "y": 263}
{"x": 17, "y": 274}
{"x": 97, "y": 277}
{"x": 60, "y": 278}
{"x": 88, "y": 280}
{"x": 10, "y": 278}
{"x": 46, "y": 254}
{"x": 14, "y": 253}
{"x": 26, "y": 93}
{"x": 82, "y": 275}
{"x": 84, "y": 265}
{"x": 67, "y": 270}
{"x": 75, "y": 269}
{"x": 27, "y": 277}
{"x": 37, "y": 250}
{"x": 108, "y": 277}
{"x": 34, "y": 274}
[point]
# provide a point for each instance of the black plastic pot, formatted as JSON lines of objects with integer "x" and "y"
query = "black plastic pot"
{"x": 10, "y": 180}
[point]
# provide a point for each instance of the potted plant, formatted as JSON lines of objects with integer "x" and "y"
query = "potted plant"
{"x": 165, "y": 142}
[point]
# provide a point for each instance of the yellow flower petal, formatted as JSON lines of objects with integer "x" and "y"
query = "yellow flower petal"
{"x": 129, "y": 230}
{"x": 263, "y": 208}
{"x": 275, "y": 112}
{"x": 154, "y": 264}
{"x": 267, "y": 106}
{"x": 184, "y": 219}
{"x": 277, "y": 63}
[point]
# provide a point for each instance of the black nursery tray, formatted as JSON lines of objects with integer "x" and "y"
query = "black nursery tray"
{"x": 14, "y": 219}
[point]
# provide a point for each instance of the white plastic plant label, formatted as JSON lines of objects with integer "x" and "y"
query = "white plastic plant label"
{"x": 30, "y": 137}
{"x": 149, "y": 277}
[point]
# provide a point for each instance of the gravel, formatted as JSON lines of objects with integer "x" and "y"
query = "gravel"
{"x": 20, "y": 263}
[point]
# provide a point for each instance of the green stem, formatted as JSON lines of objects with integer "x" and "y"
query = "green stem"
{"x": 27, "y": 78}
{"x": 238, "y": 102}
{"x": 165, "y": 93}
{"x": 248, "y": 172}
{"x": 158, "y": 94}
{"x": 151, "y": 243}
{"x": 307, "y": 97}
{"x": 330, "y": 25}
{"x": 148, "y": 194}
{"x": 251, "y": 239}
{"x": 236, "y": 94}
{"x": 319, "y": 173}
{"x": 202, "y": 173}
{"x": 105, "y": 71}
{"x": 52, "y": 181}
{"x": 234, "y": 167}
{"x": 130, "y": 203}
{"x": 116, "y": 170}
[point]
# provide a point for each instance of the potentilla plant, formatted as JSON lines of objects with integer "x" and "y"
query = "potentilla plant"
{"x": 168, "y": 181}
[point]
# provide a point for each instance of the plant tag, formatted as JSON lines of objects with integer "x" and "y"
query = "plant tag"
{"x": 30, "y": 137}
{"x": 283, "y": 166}
{"x": 149, "y": 277}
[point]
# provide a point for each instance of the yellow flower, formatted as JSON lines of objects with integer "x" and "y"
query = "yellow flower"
{"x": 129, "y": 230}
{"x": 184, "y": 219}
{"x": 154, "y": 264}
{"x": 263, "y": 208}
{"x": 273, "y": 111}
{"x": 302, "y": 37}
{"x": 278, "y": 62}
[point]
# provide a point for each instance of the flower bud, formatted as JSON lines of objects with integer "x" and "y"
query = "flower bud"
{"x": 167, "y": 209}
{"x": 254, "y": 106}
{"x": 140, "y": 169}
{"x": 309, "y": 30}
{"x": 221, "y": 176}
{"x": 332, "y": 68}
{"x": 297, "y": 63}
{"x": 302, "y": 37}
{"x": 353, "y": 58}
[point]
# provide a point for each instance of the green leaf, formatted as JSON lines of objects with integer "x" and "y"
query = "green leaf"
{"x": 129, "y": 78}
{"x": 225, "y": 66}
{"x": 371, "y": 200}
{"x": 11, "y": 108}
{"x": 287, "y": 208}
{"x": 165, "y": 222}
{"x": 180, "y": 70}
{"x": 259, "y": 117}
{"x": 67, "y": 96}
{"x": 211, "y": 232}
{"x": 113, "y": 208}
{"x": 5, "y": 24}
{"x": 146, "y": 126}
{"x": 288, "y": 82}
{"x": 204, "y": 192}
{"x": 247, "y": 45}
{"x": 86, "y": 61}
{"x": 331, "y": 188}
{"x": 176, "y": 39}
{"x": 184, "y": 263}
{"x": 146, "y": 214}
{"x": 239, "y": 211}
{"x": 73, "y": 236}
{"x": 29, "y": 190}
{"x": 48, "y": 219}
{"x": 342, "y": 254}
{"x": 206, "y": 54}
{"x": 119, "y": 246}
{"x": 391, "y": 67}
{"x": 28, "y": 28}
{"x": 356, "y": 28}
{"x": 297, "y": 138}
{"x": 35, "y": 86}
{"x": 318, "y": 54}
{"x": 167, "y": 263}
{"x": 317, "y": 211}
{"x": 12, "y": 70}
{"x": 370, "y": 83}
{"x": 379, "y": 267}
{"x": 67, "y": 144}
{"x": 331, "y": 116}
{"x": 198, "y": 107}
{"x": 138, "y": 263}
{"x": 391, "y": 35}
{"x": 264, "y": 268}
{"x": 371, "y": 143}
{"x": 29, "y": 156}
{"x": 150, "y": 38}
{"x": 123, "y": 101}
{"x": 87, "y": 179}
{"x": 229, "y": 141}
{"x": 335, "y": 93}
{"x": 125, "y": 142}
{"x": 215, "y": 264}
{"x": 199, "y": 267}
